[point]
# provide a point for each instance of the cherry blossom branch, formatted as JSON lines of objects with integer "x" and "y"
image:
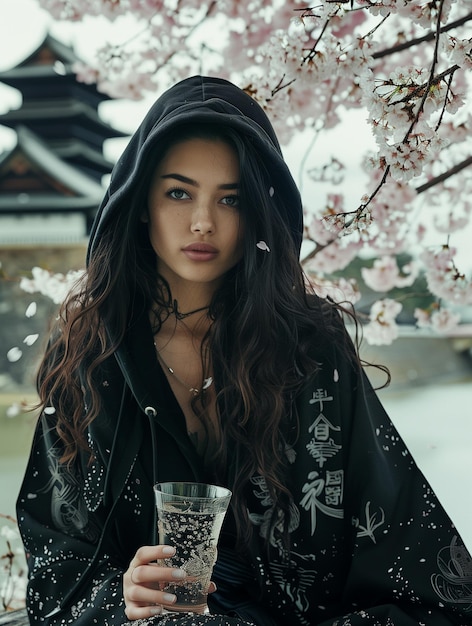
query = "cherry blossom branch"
{"x": 426, "y": 90}
{"x": 360, "y": 211}
{"x": 13, "y": 582}
{"x": 312, "y": 51}
{"x": 419, "y": 40}
{"x": 446, "y": 98}
{"x": 420, "y": 189}
{"x": 445, "y": 175}
{"x": 425, "y": 87}
{"x": 172, "y": 53}
{"x": 280, "y": 85}
{"x": 315, "y": 137}
{"x": 375, "y": 28}
{"x": 431, "y": 79}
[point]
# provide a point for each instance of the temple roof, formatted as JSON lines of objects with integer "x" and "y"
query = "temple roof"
{"x": 50, "y": 182}
{"x": 48, "y": 72}
{"x": 60, "y": 110}
{"x": 79, "y": 154}
{"x": 62, "y": 118}
{"x": 34, "y": 180}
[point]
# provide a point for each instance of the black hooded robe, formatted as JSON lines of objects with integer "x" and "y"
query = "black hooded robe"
{"x": 370, "y": 543}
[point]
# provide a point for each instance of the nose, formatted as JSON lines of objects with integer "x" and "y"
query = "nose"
{"x": 202, "y": 220}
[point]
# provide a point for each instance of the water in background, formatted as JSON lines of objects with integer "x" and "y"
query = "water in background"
{"x": 436, "y": 423}
{"x": 16, "y": 434}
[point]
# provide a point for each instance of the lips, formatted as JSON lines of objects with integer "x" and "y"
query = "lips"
{"x": 200, "y": 251}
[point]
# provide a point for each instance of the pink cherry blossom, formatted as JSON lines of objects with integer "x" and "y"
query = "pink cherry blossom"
{"x": 382, "y": 328}
{"x": 444, "y": 320}
{"x": 444, "y": 278}
{"x": 440, "y": 321}
{"x": 306, "y": 66}
{"x": 54, "y": 286}
{"x": 384, "y": 275}
{"x": 422, "y": 318}
{"x": 341, "y": 290}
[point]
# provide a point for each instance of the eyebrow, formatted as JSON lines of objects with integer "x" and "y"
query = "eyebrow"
{"x": 194, "y": 183}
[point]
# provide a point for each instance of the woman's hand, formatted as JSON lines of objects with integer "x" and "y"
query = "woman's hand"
{"x": 144, "y": 578}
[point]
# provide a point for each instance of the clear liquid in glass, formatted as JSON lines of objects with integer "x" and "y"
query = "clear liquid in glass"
{"x": 194, "y": 534}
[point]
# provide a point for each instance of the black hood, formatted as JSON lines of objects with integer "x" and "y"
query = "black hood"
{"x": 209, "y": 100}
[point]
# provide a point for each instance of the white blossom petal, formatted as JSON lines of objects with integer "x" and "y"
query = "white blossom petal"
{"x": 29, "y": 340}
{"x": 13, "y": 410}
{"x": 31, "y": 310}
{"x": 263, "y": 246}
{"x": 14, "y": 354}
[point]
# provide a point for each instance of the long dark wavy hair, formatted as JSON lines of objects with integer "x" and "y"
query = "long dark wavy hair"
{"x": 262, "y": 340}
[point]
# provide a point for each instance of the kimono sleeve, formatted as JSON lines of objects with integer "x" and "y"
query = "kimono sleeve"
{"x": 61, "y": 529}
{"x": 409, "y": 564}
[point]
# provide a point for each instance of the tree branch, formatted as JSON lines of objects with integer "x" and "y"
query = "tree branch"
{"x": 445, "y": 175}
{"x": 431, "y": 183}
{"x": 431, "y": 72}
{"x": 418, "y": 40}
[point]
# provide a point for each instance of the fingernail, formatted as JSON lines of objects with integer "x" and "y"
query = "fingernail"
{"x": 168, "y": 550}
{"x": 179, "y": 573}
{"x": 169, "y": 597}
{"x": 155, "y": 610}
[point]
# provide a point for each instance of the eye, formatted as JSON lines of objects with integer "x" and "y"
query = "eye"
{"x": 178, "y": 194}
{"x": 232, "y": 201}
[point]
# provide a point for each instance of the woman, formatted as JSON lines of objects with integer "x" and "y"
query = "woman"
{"x": 192, "y": 351}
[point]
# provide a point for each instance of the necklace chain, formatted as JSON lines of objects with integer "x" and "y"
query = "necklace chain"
{"x": 207, "y": 382}
{"x": 182, "y": 316}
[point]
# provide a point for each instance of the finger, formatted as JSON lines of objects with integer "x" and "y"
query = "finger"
{"x": 140, "y": 596}
{"x": 143, "y": 582}
{"x": 153, "y": 574}
{"x": 212, "y": 587}
{"x": 133, "y": 612}
{"x": 146, "y": 554}
{"x": 142, "y": 559}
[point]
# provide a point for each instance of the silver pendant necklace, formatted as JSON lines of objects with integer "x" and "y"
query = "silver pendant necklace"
{"x": 207, "y": 382}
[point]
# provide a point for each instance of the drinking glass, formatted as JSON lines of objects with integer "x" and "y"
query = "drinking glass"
{"x": 190, "y": 516}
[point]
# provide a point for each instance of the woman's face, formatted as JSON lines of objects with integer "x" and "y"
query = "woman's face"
{"x": 195, "y": 227}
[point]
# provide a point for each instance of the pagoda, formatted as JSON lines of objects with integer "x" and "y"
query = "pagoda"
{"x": 50, "y": 182}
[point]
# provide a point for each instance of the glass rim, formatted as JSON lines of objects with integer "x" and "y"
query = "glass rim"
{"x": 220, "y": 492}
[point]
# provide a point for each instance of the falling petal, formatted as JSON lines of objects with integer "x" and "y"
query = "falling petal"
{"x": 31, "y": 310}
{"x": 14, "y": 354}
{"x": 13, "y": 410}
{"x": 60, "y": 68}
{"x": 271, "y": 191}
{"x": 9, "y": 533}
{"x": 207, "y": 382}
{"x": 263, "y": 246}
{"x": 30, "y": 339}
{"x": 336, "y": 376}
{"x": 49, "y": 410}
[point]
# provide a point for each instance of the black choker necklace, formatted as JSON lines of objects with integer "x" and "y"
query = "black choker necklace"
{"x": 182, "y": 316}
